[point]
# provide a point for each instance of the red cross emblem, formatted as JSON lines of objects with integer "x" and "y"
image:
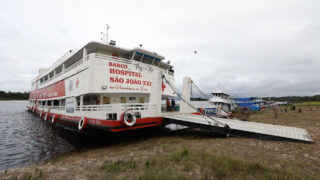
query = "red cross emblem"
{"x": 77, "y": 83}
{"x": 163, "y": 86}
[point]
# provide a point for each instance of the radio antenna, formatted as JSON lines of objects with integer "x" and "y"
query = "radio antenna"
{"x": 105, "y": 35}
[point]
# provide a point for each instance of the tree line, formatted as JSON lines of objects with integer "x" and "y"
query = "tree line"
{"x": 294, "y": 98}
{"x": 14, "y": 95}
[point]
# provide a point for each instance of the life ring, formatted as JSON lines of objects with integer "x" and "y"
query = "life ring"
{"x": 128, "y": 118}
{"x": 54, "y": 118}
{"x": 82, "y": 123}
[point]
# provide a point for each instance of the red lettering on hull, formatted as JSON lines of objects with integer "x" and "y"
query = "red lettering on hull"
{"x": 118, "y": 65}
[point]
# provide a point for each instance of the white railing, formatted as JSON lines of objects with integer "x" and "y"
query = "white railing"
{"x": 73, "y": 66}
{"x": 58, "y": 107}
{"x": 135, "y": 106}
{"x": 95, "y": 108}
{"x": 103, "y": 56}
{"x": 106, "y": 107}
{"x": 51, "y": 107}
{"x": 66, "y": 70}
{"x": 57, "y": 75}
{"x": 116, "y": 107}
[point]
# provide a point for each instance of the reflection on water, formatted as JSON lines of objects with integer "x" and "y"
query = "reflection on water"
{"x": 27, "y": 139}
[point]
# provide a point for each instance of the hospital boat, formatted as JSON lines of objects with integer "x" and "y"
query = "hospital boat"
{"x": 103, "y": 86}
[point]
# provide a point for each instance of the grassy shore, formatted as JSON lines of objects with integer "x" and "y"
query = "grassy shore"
{"x": 194, "y": 154}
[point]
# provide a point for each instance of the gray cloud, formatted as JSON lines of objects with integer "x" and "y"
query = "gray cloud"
{"x": 258, "y": 48}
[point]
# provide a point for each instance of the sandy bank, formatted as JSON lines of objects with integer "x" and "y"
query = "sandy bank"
{"x": 193, "y": 154}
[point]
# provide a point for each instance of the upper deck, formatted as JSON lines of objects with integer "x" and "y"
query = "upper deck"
{"x": 74, "y": 58}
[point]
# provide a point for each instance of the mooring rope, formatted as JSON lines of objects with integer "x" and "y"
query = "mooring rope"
{"x": 183, "y": 98}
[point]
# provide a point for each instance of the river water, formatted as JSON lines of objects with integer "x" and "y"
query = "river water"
{"x": 27, "y": 139}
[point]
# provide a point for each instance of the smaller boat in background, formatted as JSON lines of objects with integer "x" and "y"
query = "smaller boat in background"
{"x": 222, "y": 101}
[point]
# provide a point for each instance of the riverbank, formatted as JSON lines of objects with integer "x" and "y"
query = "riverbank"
{"x": 194, "y": 154}
{"x": 4, "y": 96}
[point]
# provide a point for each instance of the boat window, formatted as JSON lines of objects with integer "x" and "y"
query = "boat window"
{"x": 146, "y": 58}
{"x": 56, "y": 102}
{"x": 91, "y": 100}
{"x": 63, "y": 102}
{"x": 141, "y": 100}
{"x": 123, "y": 100}
{"x": 49, "y": 103}
{"x": 132, "y": 98}
{"x": 51, "y": 74}
{"x": 58, "y": 69}
{"x": 137, "y": 57}
{"x": 106, "y": 100}
{"x": 78, "y": 100}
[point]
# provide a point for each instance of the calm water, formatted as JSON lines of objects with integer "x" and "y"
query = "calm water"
{"x": 26, "y": 139}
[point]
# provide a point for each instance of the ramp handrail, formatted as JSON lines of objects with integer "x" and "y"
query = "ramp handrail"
{"x": 183, "y": 98}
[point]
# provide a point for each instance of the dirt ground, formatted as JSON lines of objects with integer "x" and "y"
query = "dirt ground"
{"x": 301, "y": 160}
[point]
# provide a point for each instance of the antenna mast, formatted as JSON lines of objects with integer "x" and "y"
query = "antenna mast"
{"x": 105, "y": 35}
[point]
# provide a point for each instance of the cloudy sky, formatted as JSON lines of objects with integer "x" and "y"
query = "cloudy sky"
{"x": 246, "y": 48}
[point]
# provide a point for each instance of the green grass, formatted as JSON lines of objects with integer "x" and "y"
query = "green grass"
{"x": 35, "y": 174}
{"x": 186, "y": 164}
{"x": 118, "y": 166}
{"x": 38, "y": 174}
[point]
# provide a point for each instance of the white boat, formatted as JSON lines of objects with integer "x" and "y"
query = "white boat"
{"x": 105, "y": 87}
{"x": 102, "y": 86}
{"x": 222, "y": 100}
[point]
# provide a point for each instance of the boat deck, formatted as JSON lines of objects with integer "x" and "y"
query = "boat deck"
{"x": 239, "y": 128}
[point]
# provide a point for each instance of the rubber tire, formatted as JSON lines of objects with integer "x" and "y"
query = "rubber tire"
{"x": 125, "y": 122}
{"x": 82, "y": 124}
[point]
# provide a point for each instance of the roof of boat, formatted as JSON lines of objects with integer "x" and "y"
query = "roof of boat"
{"x": 220, "y": 100}
{"x": 93, "y": 46}
{"x": 102, "y": 45}
{"x": 219, "y": 92}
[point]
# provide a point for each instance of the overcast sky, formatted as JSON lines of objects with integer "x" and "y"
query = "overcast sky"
{"x": 246, "y": 48}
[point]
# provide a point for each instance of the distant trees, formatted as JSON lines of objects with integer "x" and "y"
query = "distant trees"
{"x": 294, "y": 98}
{"x": 198, "y": 99}
{"x": 14, "y": 95}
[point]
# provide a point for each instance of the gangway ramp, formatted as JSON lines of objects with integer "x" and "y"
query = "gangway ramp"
{"x": 240, "y": 128}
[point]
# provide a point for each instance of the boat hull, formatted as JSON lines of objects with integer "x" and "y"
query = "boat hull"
{"x": 100, "y": 124}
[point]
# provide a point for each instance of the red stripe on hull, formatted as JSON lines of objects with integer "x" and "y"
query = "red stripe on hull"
{"x": 110, "y": 125}
{"x": 52, "y": 91}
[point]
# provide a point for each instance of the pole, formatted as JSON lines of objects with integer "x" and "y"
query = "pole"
{"x": 108, "y": 33}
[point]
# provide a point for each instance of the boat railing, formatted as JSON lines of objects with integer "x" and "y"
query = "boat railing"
{"x": 104, "y": 107}
{"x": 116, "y": 107}
{"x": 73, "y": 66}
{"x": 104, "y": 56}
{"x": 58, "y": 107}
{"x": 51, "y": 107}
{"x": 66, "y": 70}
{"x": 135, "y": 106}
{"x": 58, "y": 74}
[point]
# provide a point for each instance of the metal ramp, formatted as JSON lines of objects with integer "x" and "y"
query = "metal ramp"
{"x": 240, "y": 128}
